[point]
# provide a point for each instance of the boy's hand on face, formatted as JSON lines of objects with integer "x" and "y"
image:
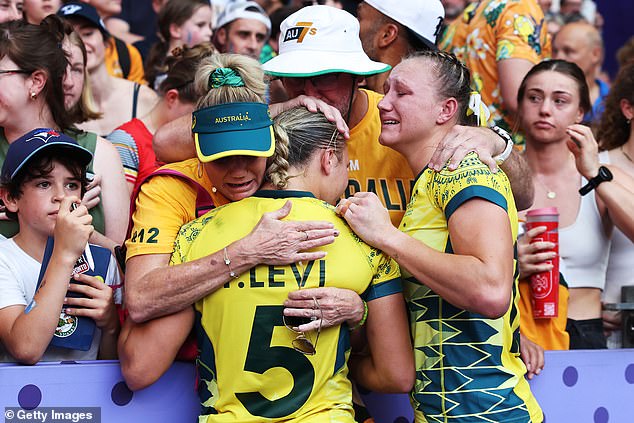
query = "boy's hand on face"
{"x": 72, "y": 228}
{"x": 98, "y": 303}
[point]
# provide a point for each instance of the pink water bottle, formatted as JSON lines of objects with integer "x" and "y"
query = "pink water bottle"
{"x": 545, "y": 285}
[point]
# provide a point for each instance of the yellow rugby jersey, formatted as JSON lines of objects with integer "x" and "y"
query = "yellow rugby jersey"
{"x": 376, "y": 168}
{"x": 468, "y": 367}
{"x": 164, "y": 204}
{"x": 248, "y": 369}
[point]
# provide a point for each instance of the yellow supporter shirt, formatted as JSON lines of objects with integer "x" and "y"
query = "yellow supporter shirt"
{"x": 376, "y": 168}
{"x": 164, "y": 204}
{"x": 248, "y": 369}
{"x": 468, "y": 367}
{"x": 549, "y": 333}
{"x": 137, "y": 74}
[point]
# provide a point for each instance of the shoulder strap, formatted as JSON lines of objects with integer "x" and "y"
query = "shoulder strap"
{"x": 204, "y": 202}
{"x": 135, "y": 98}
{"x": 124, "y": 56}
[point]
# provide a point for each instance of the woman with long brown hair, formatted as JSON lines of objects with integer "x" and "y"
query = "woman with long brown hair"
{"x": 592, "y": 196}
{"x": 35, "y": 85}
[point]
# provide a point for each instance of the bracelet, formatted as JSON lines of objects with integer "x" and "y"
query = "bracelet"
{"x": 363, "y": 319}
{"x": 500, "y": 158}
{"x": 228, "y": 263}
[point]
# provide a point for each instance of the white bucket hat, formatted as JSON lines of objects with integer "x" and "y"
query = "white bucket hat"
{"x": 319, "y": 39}
{"x": 422, "y": 17}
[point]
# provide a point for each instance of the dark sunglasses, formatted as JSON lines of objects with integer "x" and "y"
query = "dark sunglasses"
{"x": 321, "y": 82}
{"x": 301, "y": 343}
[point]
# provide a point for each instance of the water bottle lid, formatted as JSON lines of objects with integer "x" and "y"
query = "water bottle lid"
{"x": 545, "y": 211}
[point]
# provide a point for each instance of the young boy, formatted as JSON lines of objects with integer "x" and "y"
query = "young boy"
{"x": 43, "y": 175}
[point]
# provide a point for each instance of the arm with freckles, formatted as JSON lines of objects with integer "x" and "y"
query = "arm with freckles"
{"x": 147, "y": 350}
{"x": 173, "y": 142}
{"x": 155, "y": 289}
{"x": 478, "y": 277}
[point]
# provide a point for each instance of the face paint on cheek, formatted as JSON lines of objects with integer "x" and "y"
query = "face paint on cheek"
{"x": 188, "y": 38}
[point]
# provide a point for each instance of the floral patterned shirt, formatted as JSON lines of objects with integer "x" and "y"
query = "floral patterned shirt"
{"x": 493, "y": 30}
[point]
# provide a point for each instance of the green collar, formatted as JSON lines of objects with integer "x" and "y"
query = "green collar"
{"x": 276, "y": 193}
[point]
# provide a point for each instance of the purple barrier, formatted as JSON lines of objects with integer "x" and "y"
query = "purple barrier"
{"x": 575, "y": 386}
{"x": 100, "y": 384}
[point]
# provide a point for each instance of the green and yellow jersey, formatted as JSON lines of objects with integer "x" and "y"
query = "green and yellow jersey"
{"x": 248, "y": 369}
{"x": 468, "y": 367}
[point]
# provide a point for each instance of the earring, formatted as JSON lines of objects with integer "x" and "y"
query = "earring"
{"x": 33, "y": 95}
{"x": 628, "y": 121}
{"x": 214, "y": 189}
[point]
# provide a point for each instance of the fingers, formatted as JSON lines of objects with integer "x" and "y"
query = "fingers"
{"x": 533, "y": 232}
{"x": 315, "y": 241}
{"x": 89, "y": 288}
{"x": 93, "y": 281}
{"x": 539, "y": 247}
{"x": 95, "y": 182}
{"x": 331, "y": 113}
{"x": 444, "y": 151}
{"x": 532, "y": 355}
{"x": 490, "y": 162}
{"x": 280, "y": 213}
{"x": 95, "y": 301}
{"x": 65, "y": 203}
{"x": 93, "y": 191}
{"x": 316, "y": 227}
{"x": 342, "y": 207}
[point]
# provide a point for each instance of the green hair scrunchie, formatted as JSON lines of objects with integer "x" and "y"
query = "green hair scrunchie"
{"x": 224, "y": 77}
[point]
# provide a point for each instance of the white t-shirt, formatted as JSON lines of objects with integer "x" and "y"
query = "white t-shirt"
{"x": 18, "y": 279}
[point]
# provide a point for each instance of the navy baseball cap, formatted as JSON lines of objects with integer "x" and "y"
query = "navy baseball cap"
{"x": 85, "y": 11}
{"x": 233, "y": 129}
{"x": 28, "y": 145}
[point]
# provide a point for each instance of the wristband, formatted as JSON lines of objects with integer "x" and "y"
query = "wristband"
{"x": 500, "y": 158}
{"x": 363, "y": 319}
{"x": 233, "y": 274}
{"x": 604, "y": 175}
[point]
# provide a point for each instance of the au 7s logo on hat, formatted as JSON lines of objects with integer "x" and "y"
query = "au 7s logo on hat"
{"x": 299, "y": 31}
